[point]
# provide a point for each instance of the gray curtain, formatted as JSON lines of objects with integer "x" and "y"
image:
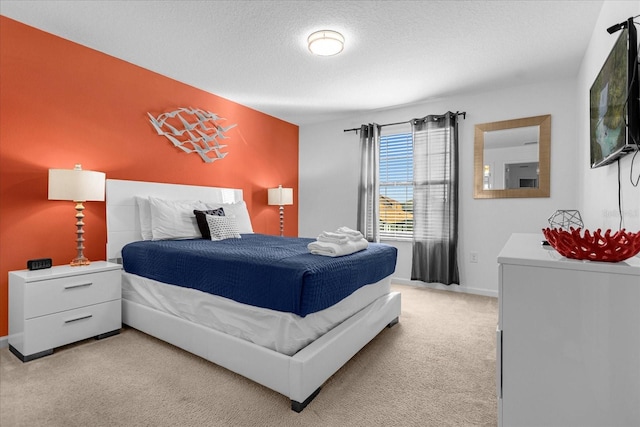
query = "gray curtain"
{"x": 435, "y": 199}
{"x": 369, "y": 188}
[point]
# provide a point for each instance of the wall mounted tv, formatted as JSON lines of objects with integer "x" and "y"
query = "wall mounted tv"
{"x": 614, "y": 100}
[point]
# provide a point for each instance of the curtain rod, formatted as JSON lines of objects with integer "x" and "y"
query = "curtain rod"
{"x": 457, "y": 113}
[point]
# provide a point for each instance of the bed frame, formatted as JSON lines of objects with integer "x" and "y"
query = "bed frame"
{"x": 299, "y": 377}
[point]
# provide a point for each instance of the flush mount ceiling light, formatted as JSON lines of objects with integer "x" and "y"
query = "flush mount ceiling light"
{"x": 326, "y": 43}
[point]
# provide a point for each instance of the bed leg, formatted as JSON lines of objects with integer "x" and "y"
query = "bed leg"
{"x": 393, "y": 322}
{"x": 298, "y": 407}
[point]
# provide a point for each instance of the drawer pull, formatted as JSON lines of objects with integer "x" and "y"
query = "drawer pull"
{"x": 78, "y": 318}
{"x": 79, "y": 285}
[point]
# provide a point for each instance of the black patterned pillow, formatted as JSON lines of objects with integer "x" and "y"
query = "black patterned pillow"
{"x": 223, "y": 227}
{"x": 201, "y": 218}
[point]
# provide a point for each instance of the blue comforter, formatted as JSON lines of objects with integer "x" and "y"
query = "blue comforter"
{"x": 265, "y": 271}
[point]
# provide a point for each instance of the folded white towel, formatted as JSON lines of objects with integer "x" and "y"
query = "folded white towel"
{"x": 350, "y": 232}
{"x": 332, "y": 237}
{"x": 337, "y": 249}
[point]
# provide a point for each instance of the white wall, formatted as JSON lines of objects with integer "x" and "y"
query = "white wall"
{"x": 598, "y": 195}
{"x": 329, "y": 170}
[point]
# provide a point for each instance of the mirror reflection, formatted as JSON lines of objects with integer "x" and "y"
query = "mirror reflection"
{"x": 511, "y": 158}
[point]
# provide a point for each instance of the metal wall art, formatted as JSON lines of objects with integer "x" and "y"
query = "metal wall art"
{"x": 194, "y": 131}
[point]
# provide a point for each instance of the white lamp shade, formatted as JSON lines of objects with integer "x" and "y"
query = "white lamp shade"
{"x": 326, "y": 42}
{"x": 76, "y": 184}
{"x": 280, "y": 196}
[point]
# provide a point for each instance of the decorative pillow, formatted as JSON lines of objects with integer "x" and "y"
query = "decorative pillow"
{"x": 222, "y": 227}
{"x": 239, "y": 210}
{"x": 174, "y": 219}
{"x": 201, "y": 219}
{"x": 144, "y": 215}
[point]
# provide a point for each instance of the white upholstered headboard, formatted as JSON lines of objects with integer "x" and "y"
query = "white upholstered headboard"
{"x": 123, "y": 225}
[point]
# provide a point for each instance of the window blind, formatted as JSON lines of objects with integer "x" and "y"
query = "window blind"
{"x": 396, "y": 186}
{"x": 431, "y": 182}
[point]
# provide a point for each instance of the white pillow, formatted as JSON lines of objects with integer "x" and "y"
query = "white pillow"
{"x": 223, "y": 227}
{"x": 237, "y": 210}
{"x": 174, "y": 219}
{"x": 144, "y": 215}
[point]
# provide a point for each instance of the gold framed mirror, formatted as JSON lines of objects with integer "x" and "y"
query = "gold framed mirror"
{"x": 512, "y": 158}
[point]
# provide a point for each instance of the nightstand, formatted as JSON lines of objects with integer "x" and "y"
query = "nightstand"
{"x": 61, "y": 305}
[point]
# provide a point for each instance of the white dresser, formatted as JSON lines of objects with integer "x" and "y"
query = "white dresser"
{"x": 63, "y": 304}
{"x": 568, "y": 338}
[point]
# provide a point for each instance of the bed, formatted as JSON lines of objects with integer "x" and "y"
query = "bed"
{"x": 287, "y": 344}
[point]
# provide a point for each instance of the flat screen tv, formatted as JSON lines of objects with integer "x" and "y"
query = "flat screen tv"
{"x": 614, "y": 101}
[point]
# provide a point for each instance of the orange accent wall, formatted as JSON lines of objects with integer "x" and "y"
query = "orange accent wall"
{"x": 62, "y": 103}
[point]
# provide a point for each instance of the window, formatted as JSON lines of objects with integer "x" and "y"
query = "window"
{"x": 396, "y": 186}
{"x": 433, "y": 185}
{"x": 409, "y": 191}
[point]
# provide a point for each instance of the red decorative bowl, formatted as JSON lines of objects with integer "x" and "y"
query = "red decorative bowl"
{"x": 594, "y": 247}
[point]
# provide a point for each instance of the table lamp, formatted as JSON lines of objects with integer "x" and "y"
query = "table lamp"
{"x": 79, "y": 186}
{"x": 281, "y": 197}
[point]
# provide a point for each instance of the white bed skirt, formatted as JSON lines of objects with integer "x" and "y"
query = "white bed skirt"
{"x": 285, "y": 333}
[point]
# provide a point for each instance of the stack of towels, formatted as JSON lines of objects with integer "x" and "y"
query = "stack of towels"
{"x": 343, "y": 241}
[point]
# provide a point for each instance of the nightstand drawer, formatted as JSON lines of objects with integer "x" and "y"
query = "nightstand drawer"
{"x": 47, "y": 332}
{"x": 65, "y": 293}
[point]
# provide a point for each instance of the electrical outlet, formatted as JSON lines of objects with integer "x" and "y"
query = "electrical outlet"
{"x": 473, "y": 257}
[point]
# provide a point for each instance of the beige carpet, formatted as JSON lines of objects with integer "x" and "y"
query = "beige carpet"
{"x": 435, "y": 368}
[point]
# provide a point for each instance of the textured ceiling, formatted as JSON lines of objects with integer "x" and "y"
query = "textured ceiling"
{"x": 396, "y": 52}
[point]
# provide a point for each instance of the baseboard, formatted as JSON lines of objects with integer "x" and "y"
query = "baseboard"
{"x": 4, "y": 342}
{"x": 441, "y": 287}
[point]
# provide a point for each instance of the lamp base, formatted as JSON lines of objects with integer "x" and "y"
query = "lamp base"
{"x": 80, "y": 259}
{"x": 79, "y": 262}
{"x": 281, "y": 221}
